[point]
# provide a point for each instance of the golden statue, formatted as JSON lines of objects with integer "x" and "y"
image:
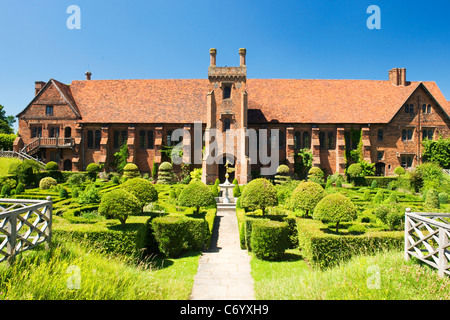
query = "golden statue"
{"x": 228, "y": 170}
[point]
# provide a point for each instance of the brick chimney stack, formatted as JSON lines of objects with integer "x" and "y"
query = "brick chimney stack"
{"x": 242, "y": 53}
{"x": 397, "y": 76}
{"x": 212, "y": 54}
{"x": 38, "y": 85}
{"x": 88, "y": 75}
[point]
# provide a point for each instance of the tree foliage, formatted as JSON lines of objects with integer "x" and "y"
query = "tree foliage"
{"x": 437, "y": 151}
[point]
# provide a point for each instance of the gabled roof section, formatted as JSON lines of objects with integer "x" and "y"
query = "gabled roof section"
{"x": 64, "y": 91}
{"x": 327, "y": 101}
{"x": 141, "y": 101}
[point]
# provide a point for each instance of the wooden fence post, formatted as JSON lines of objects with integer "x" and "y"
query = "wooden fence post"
{"x": 407, "y": 226}
{"x": 11, "y": 246}
{"x": 442, "y": 262}
{"x": 48, "y": 231}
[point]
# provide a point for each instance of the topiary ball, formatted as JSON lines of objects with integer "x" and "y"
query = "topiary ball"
{"x": 130, "y": 170}
{"x": 196, "y": 194}
{"x": 335, "y": 208}
{"x": 399, "y": 171}
{"x": 142, "y": 189}
{"x": 47, "y": 183}
{"x": 259, "y": 194}
{"x": 283, "y": 169}
{"x": 119, "y": 204}
{"x": 51, "y": 166}
{"x": 306, "y": 196}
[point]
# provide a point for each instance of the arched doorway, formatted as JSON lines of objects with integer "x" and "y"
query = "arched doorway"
{"x": 67, "y": 165}
{"x": 67, "y": 132}
{"x": 380, "y": 168}
{"x": 222, "y": 169}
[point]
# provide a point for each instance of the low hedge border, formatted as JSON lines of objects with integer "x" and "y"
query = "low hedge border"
{"x": 324, "y": 250}
{"x": 269, "y": 239}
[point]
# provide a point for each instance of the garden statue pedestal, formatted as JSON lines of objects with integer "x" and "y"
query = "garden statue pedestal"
{"x": 226, "y": 198}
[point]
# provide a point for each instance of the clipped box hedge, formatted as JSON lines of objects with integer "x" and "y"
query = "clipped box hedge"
{"x": 325, "y": 250}
{"x": 269, "y": 239}
{"x": 176, "y": 234}
{"x": 382, "y": 182}
{"x": 108, "y": 236}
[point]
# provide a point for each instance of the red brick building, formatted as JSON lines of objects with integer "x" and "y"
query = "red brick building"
{"x": 88, "y": 120}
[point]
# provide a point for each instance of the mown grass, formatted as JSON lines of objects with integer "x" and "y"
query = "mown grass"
{"x": 356, "y": 279}
{"x": 46, "y": 275}
{"x": 5, "y": 163}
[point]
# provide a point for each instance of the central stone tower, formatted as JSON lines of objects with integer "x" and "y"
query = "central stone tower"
{"x": 225, "y": 137}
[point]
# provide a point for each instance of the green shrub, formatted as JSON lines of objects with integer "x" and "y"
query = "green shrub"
{"x": 432, "y": 200}
{"x": 196, "y": 194}
{"x": 196, "y": 175}
{"x": 165, "y": 173}
{"x": 47, "y": 183}
{"x": 75, "y": 192}
{"x": 89, "y": 195}
{"x": 374, "y": 184}
{"x": 335, "y": 208}
{"x": 176, "y": 234}
{"x": 391, "y": 214}
{"x": 379, "y": 197}
{"x": 443, "y": 197}
{"x": 131, "y": 171}
{"x": 338, "y": 183}
{"x": 306, "y": 196}
{"x": 399, "y": 171}
{"x": 7, "y": 141}
{"x": 119, "y": 204}
{"x": 366, "y": 195}
{"x": 6, "y": 191}
{"x": 20, "y": 188}
{"x": 142, "y": 189}
{"x": 392, "y": 198}
{"x": 115, "y": 180}
{"x": 382, "y": 182}
{"x": 282, "y": 174}
{"x": 258, "y": 194}
{"x": 25, "y": 171}
{"x": 217, "y": 182}
{"x": 93, "y": 169}
{"x": 315, "y": 174}
{"x": 76, "y": 180}
{"x": 354, "y": 170}
{"x": 51, "y": 166}
{"x": 215, "y": 190}
{"x": 269, "y": 239}
{"x": 325, "y": 250}
{"x": 63, "y": 193}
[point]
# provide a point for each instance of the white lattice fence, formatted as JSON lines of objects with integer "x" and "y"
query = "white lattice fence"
{"x": 24, "y": 224}
{"x": 427, "y": 238}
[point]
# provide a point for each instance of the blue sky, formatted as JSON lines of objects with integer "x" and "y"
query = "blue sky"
{"x": 171, "y": 39}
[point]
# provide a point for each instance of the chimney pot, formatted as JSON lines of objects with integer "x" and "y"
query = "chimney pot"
{"x": 212, "y": 53}
{"x": 38, "y": 85}
{"x": 242, "y": 53}
{"x": 88, "y": 75}
{"x": 397, "y": 76}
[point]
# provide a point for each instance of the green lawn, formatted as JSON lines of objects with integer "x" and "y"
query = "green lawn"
{"x": 356, "y": 279}
{"x": 52, "y": 275}
{"x": 5, "y": 163}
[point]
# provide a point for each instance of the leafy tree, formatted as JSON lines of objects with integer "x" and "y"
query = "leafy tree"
{"x": 259, "y": 194}
{"x": 119, "y": 204}
{"x": 437, "y": 151}
{"x": 6, "y": 122}
{"x": 335, "y": 208}
{"x": 306, "y": 196}
{"x": 142, "y": 189}
{"x": 303, "y": 162}
{"x": 196, "y": 194}
{"x": 120, "y": 157}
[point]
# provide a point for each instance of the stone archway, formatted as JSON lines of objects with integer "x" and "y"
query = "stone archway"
{"x": 380, "y": 168}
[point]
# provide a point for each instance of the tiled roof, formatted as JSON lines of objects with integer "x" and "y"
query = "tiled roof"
{"x": 269, "y": 100}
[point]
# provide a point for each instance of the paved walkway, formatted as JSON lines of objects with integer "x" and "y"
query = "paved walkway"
{"x": 224, "y": 269}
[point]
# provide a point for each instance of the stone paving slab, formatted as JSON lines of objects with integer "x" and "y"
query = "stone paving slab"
{"x": 224, "y": 271}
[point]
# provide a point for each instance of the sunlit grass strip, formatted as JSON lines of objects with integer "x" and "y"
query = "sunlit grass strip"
{"x": 72, "y": 271}
{"x": 385, "y": 276}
